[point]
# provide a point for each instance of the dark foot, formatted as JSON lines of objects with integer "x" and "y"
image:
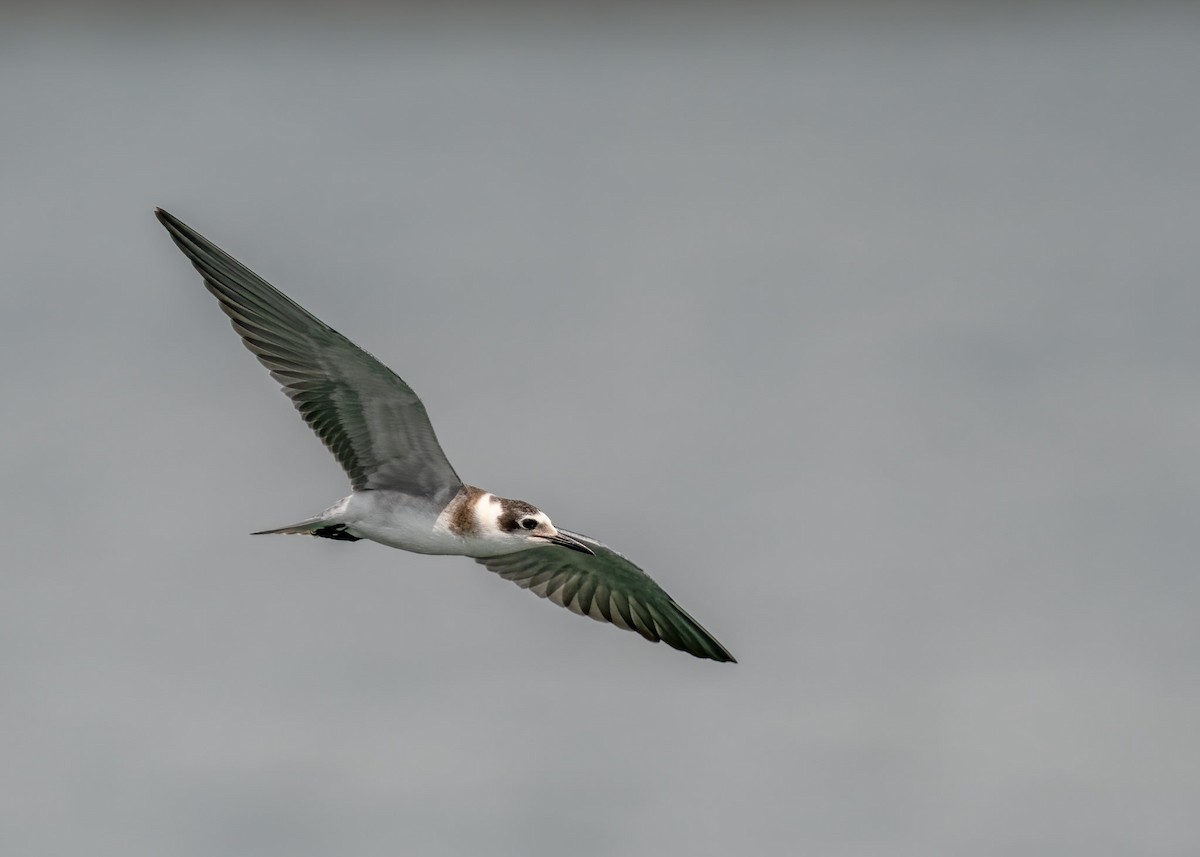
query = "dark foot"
{"x": 336, "y": 531}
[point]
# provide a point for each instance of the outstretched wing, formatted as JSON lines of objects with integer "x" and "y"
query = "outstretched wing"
{"x": 609, "y": 588}
{"x": 372, "y": 421}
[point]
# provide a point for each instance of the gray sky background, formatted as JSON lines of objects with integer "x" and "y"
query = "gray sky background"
{"x": 870, "y": 332}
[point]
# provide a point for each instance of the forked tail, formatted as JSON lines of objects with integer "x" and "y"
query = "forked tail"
{"x": 319, "y": 527}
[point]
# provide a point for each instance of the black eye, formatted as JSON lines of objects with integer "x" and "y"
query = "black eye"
{"x": 529, "y": 523}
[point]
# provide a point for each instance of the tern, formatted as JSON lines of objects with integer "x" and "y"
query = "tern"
{"x": 404, "y": 492}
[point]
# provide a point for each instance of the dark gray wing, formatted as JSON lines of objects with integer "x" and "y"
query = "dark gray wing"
{"x": 372, "y": 421}
{"x": 609, "y": 588}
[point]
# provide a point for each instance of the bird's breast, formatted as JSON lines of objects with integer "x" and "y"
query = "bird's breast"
{"x": 400, "y": 521}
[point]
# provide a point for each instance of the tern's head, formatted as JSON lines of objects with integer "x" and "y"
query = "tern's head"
{"x": 508, "y": 526}
{"x": 530, "y": 526}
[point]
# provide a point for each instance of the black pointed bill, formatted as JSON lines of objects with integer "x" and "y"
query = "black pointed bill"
{"x": 568, "y": 542}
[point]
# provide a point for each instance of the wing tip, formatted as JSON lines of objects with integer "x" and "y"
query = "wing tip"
{"x": 179, "y": 230}
{"x": 710, "y": 650}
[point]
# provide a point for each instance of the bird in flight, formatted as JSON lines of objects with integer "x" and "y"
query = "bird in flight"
{"x": 404, "y": 492}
